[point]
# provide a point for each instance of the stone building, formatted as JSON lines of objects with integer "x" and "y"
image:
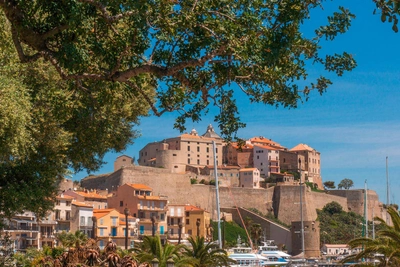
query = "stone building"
{"x": 312, "y": 163}
{"x": 189, "y": 149}
{"x": 266, "y": 159}
{"x": 239, "y": 155}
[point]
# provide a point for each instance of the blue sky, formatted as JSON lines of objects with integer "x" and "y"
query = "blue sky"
{"x": 355, "y": 124}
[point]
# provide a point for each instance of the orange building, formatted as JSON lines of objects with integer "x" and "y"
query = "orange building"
{"x": 110, "y": 224}
{"x": 141, "y": 203}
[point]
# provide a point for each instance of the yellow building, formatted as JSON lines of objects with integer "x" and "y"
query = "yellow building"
{"x": 110, "y": 225}
{"x": 197, "y": 221}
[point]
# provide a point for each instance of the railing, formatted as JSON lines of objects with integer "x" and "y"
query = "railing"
{"x": 21, "y": 227}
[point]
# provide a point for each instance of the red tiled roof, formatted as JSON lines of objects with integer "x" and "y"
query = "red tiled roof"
{"x": 149, "y": 197}
{"x": 90, "y": 195}
{"x": 189, "y": 207}
{"x": 302, "y": 147}
{"x": 62, "y": 196}
{"x": 264, "y": 140}
{"x": 140, "y": 186}
{"x": 81, "y": 204}
{"x": 266, "y": 147}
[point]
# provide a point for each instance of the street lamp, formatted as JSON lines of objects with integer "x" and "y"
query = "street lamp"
{"x": 153, "y": 226}
{"x": 180, "y": 225}
{"x": 155, "y": 262}
{"x": 126, "y": 212}
{"x": 198, "y": 227}
{"x": 170, "y": 262}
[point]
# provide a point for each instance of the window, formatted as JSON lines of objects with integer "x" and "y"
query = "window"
{"x": 101, "y": 231}
{"x": 114, "y": 221}
{"x": 58, "y": 203}
{"x": 198, "y": 162}
{"x": 258, "y": 157}
{"x": 216, "y": 150}
{"x": 208, "y": 162}
{"x": 208, "y": 149}
{"x": 187, "y": 221}
{"x": 188, "y": 148}
{"x": 172, "y": 221}
{"x": 198, "y": 149}
{"x": 188, "y": 161}
{"x": 57, "y": 214}
{"x": 68, "y": 203}
{"x": 68, "y": 215}
{"x": 175, "y": 167}
{"x": 174, "y": 155}
{"x": 161, "y": 205}
{"x": 121, "y": 203}
{"x": 82, "y": 220}
{"x": 187, "y": 214}
{"x": 101, "y": 221}
{"x": 162, "y": 216}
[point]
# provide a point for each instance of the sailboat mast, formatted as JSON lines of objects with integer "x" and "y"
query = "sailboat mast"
{"x": 217, "y": 195}
{"x": 365, "y": 210}
{"x": 387, "y": 182}
{"x": 301, "y": 217}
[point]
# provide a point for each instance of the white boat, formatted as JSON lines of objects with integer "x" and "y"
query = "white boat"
{"x": 245, "y": 256}
{"x": 274, "y": 256}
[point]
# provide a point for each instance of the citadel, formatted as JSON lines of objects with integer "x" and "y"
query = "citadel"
{"x": 258, "y": 173}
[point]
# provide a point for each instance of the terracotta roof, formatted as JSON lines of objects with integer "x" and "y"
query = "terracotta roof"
{"x": 90, "y": 195}
{"x": 62, "y": 196}
{"x": 149, "y": 197}
{"x": 247, "y": 169}
{"x": 266, "y": 147}
{"x": 140, "y": 186}
{"x": 81, "y": 204}
{"x": 98, "y": 213}
{"x": 302, "y": 147}
{"x": 189, "y": 207}
{"x": 264, "y": 140}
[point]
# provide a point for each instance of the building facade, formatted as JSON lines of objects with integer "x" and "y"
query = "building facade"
{"x": 189, "y": 149}
{"x": 249, "y": 177}
{"x": 312, "y": 163}
{"x": 266, "y": 159}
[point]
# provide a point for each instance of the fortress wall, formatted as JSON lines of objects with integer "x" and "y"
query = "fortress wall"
{"x": 282, "y": 200}
{"x": 287, "y": 203}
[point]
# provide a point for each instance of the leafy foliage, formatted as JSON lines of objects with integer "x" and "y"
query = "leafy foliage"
{"x": 202, "y": 52}
{"x": 346, "y": 184}
{"x": 202, "y": 254}
{"x": 386, "y": 243}
{"x": 329, "y": 184}
{"x": 72, "y": 239}
{"x": 338, "y": 226}
{"x": 49, "y": 126}
{"x": 231, "y": 231}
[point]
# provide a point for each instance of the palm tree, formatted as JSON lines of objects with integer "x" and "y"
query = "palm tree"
{"x": 152, "y": 248}
{"x": 202, "y": 254}
{"x": 386, "y": 243}
{"x": 255, "y": 232}
{"x": 76, "y": 239}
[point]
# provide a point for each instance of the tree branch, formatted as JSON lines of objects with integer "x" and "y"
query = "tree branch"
{"x": 22, "y": 57}
{"x": 105, "y": 13}
{"x": 145, "y": 96}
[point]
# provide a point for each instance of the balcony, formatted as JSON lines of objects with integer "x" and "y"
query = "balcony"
{"x": 21, "y": 228}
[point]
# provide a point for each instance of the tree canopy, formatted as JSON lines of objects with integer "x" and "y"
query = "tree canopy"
{"x": 329, "y": 184}
{"x": 77, "y": 75}
{"x": 193, "y": 53}
{"x": 346, "y": 183}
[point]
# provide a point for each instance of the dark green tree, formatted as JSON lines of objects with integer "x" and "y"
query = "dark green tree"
{"x": 346, "y": 184}
{"x": 202, "y": 254}
{"x": 48, "y": 126}
{"x": 200, "y": 51}
{"x": 329, "y": 184}
{"x": 386, "y": 243}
